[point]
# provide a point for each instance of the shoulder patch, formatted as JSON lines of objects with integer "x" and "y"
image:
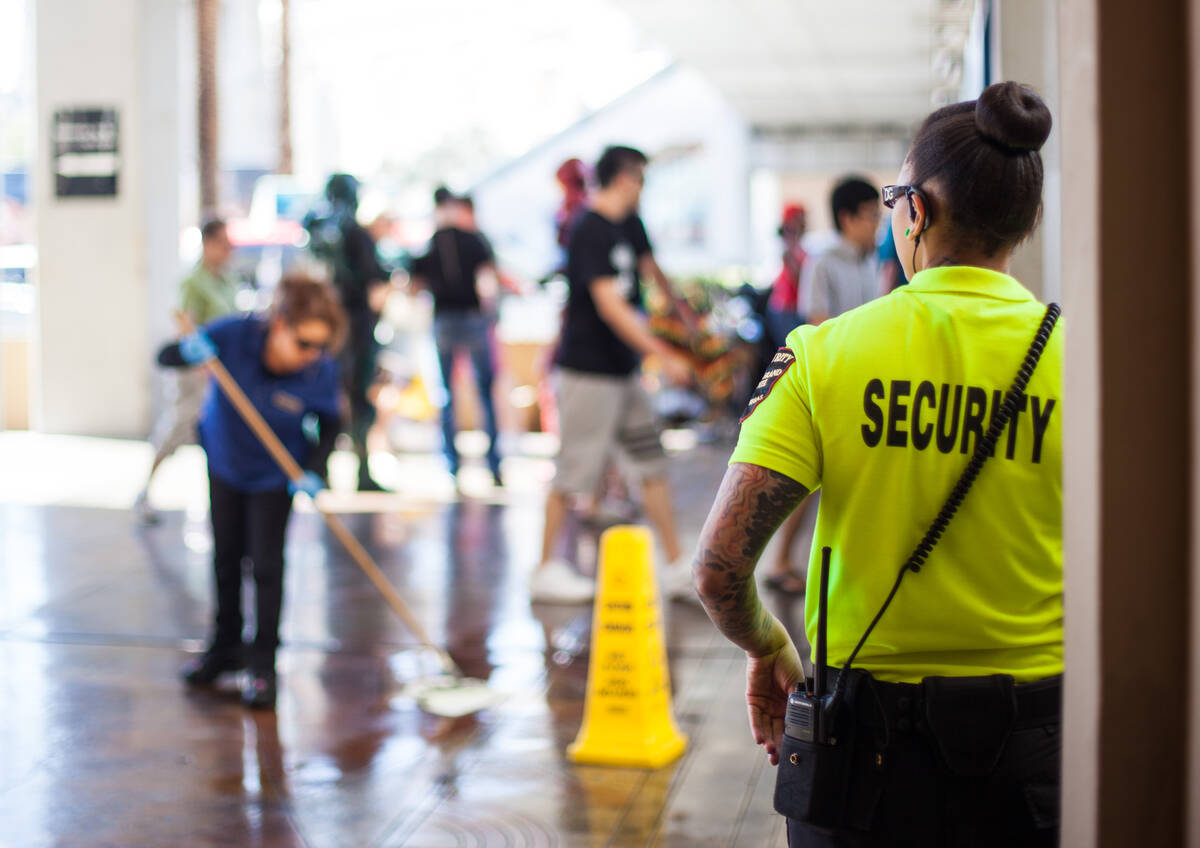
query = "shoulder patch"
{"x": 779, "y": 365}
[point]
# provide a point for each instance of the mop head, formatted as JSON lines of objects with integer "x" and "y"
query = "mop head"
{"x": 452, "y": 697}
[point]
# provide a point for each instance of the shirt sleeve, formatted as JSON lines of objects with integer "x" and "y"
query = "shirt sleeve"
{"x": 639, "y": 237}
{"x": 324, "y": 398}
{"x": 778, "y": 431}
{"x": 362, "y": 256}
{"x": 420, "y": 264}
{"x": 483, "y": 248}
{"x": 169, "y": 356}
{"x": 195, "y": 300}
{"x": 224, "y": 333}
{"x": 820, "y": 297}
{"x": 595, "y": 259}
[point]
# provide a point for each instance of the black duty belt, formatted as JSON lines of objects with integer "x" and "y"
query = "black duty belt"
{"x": 901, "y": 707}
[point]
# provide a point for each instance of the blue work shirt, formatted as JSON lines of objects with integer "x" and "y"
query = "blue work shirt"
{"x": 235, "y": 454}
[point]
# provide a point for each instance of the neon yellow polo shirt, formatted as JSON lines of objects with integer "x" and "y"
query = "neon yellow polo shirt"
{"x": 881, "y": 409}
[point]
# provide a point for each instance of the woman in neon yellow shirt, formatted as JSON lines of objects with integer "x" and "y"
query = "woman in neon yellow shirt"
{"x": 951, "y": 708}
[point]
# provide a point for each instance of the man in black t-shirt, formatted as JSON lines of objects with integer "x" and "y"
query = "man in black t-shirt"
{"x": 459, "y": 271}
{"x": 602, "y": 404}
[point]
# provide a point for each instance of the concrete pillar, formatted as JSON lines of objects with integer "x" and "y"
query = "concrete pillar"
{"x": 1129, "y": 445}
{"x": 107, "y": 264}
{"x": 1025, "y": 49}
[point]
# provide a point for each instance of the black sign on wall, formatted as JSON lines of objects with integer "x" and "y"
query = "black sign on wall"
{"x": 86, "y": 154}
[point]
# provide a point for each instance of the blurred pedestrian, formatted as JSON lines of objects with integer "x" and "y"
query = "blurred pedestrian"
{"x": 459, "y": 271}
{"x": 283, "y": 362}
{"x": 205, "y": 294}
{"x": 572, "y": 178}
{"x": 340, "y": 241}
{"x": 602, "y": 405}
{"x": 846, "y": 275}
{"x": 783, "y": 307}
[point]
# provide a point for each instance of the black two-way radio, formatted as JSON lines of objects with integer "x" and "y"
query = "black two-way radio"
{"x": 812, "y": 776}
{"x": 808, "y": 717}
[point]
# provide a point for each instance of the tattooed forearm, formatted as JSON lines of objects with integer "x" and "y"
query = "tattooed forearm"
{"x": 750, "y": 505}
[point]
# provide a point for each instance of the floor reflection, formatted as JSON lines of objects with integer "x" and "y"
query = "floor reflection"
{"x": 100, "y": 745}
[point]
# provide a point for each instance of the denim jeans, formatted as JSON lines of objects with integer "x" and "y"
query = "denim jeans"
{"x": 468, "y": 331}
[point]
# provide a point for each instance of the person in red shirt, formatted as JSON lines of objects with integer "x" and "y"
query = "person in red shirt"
{"x": 783, "y": 307}
{"x": 784, "y": 315}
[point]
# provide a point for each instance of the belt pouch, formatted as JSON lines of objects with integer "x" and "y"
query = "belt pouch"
{"x": 813, "y": 777}
{"x": 970, "y": 719}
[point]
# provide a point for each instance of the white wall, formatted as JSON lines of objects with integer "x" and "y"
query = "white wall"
{"x": 1026, "y": 50}
{"x": 106, "y": 265}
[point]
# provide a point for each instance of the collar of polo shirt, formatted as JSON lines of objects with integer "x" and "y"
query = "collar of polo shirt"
{"x": 969, "y": 279}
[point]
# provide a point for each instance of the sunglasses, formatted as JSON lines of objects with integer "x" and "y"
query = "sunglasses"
{"x": 892, "y": 193}
{"x": 308, "y": 345}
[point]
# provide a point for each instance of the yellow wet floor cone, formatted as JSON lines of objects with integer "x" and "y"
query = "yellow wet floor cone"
{"x": 627, "y": 718}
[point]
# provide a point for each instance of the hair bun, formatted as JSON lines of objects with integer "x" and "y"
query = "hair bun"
{"x": 1013, "y": 116}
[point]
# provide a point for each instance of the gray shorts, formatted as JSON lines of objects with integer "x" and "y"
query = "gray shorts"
{"x": 183, "y": 396}
{"x": 601, "y": 417}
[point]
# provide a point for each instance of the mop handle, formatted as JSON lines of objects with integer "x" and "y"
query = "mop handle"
{"x": 292, "y": 469}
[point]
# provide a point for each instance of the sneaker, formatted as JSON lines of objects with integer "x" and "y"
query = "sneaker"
{"x": 142, "y": 511}
{"x": 675, "y": 580}
{"x": 556, "y": 582}
{"x": 206, "y": 668}
{"x": 367, "y": 483}
{"x": 258, "y": 692}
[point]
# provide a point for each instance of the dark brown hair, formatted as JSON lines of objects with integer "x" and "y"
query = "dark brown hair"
{"x": 617, "y": 160}
{"x": 848, "y": 195}
{"x": 984, "y": 156}
{"x": 300, "y": 297}
{"x": 211, "y": 228}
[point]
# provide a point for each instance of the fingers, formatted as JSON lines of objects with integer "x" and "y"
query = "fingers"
{"x": 767, "y": 731}
{"x": 772, "y": 742}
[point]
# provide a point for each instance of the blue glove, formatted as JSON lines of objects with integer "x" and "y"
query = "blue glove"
{"x": 310, "y": 484}
{"x": 197, "y": 348}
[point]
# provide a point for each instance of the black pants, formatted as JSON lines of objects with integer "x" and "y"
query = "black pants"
{"x": 357, "y": 363}
{"x": 902, "y": 792}
{"x": 248, "y": 525}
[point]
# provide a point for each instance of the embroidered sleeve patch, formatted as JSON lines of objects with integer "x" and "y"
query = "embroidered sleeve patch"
{"x": 779, "y": 365}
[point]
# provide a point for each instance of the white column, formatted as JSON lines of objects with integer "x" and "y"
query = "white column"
{"x": 107, "y": 265}
{"x": 1025, "y": 49}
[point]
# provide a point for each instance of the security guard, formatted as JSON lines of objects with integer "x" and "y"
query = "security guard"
{"x": 952, "y": 704}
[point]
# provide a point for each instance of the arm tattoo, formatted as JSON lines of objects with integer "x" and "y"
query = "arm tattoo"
{"x": 750, "y": 505}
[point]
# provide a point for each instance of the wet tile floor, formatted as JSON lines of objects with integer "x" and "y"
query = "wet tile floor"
{"x": 101, "y": 746}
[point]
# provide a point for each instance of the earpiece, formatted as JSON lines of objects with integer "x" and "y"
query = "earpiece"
{"x": 907, "y": 230}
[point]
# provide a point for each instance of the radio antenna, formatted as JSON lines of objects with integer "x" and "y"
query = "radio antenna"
{"x": 822, "y": 624}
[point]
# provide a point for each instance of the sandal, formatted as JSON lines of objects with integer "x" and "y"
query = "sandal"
{"x": 787, "y": 584}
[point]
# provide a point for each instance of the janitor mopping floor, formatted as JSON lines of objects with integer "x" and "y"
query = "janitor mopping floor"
{"x": 266, "y": 432}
